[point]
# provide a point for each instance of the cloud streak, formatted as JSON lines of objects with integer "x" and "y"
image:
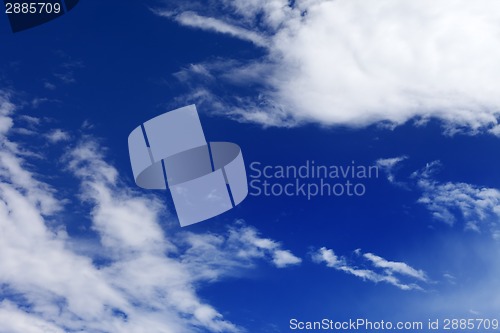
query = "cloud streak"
{"x": 375, "y": 269}
{"x": 194, "y": 20}
{"x": 389, "y": 166}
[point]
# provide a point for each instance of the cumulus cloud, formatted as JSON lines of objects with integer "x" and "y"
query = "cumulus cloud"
{"x": 137, "y": 275}
{"x": 355, "y": 63}
{"x": 374, "y": 268}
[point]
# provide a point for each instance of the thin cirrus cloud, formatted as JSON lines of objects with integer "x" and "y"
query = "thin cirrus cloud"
{"x": 370, "y": 267}
{"x": 192, "y": 19}
{"x": 133, "y": 277}
{"x": 449, "y": 202}
{"x": 477, "y": 206}
{"x": 356, "y": 63}
{"x": 236, "y": 250}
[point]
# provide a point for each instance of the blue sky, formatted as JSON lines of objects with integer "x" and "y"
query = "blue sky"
{"x": 403, "y": 85}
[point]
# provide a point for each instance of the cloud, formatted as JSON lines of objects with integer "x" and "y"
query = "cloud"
{"x": 450, "y": 278}
{"x": 395, "y": 267}
{"x": 15, "y": 320}
{"x": 36, "y": 102}
{"x": 353, "y": 63}
{"x": 49, "y": 86}
{"x": 478, "y": 207}
{"x": 388, "y": 165}
{"x": 57, "y": 135}
{"x": 136, "y": 273}
{"x": 66, "y": 71}
{"x": 6, "y": 108}
{"x": 30, "y": 120}
{"x": 211, "y": 256}
{"x": 194, "y": 20}
{"x": 283, "y": 258}
{"x": 67, "y": 77}
{"x": 386, "y": 269}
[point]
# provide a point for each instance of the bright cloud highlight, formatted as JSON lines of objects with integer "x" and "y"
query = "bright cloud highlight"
{"x": 356, "y": 63}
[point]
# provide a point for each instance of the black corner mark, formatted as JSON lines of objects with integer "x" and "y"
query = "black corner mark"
{"x": 70, "y": 4}
{"x": 25, "y": 15}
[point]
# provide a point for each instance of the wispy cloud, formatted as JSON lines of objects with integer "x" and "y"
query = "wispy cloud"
{"x": 212, "y": 256}
{"x": 67, "y": 77}
{"x": 66, "y": 70}
{"x": 375, "y": 269}
{"x": 57, "y": 135}
{"x": 194, "y": 20}
{"x": 478, "y": 206}
{"x": 30, "y": 120}
{"x": 389, "y": 165}
{"x": 136, "y": 275}
{"x": 392, "y": 267}
{"x": 49, "y": 85}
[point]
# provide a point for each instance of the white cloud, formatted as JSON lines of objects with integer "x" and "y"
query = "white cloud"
{"x": 15, "y": 320}
{"x": 192, "y": 19}
{"x": 140, "y": 275}
{"x": 328, "y": 257}
{"x": 450, "y": 278}
{"x": 283, "y": 258}
{"x": 22, "y": 180}
{"x": 387, "y": 269}
{"x": 30, "y": 120}
{"x": 389, "y": 165}
{"x": 66, "y": 78}
{"x": 355, "y": 63}
{"x": 49, "y": 86}
{"x": 36, "y": 102}
{"x": 197, "y": 69}
{"x": 6, "y": 108}
{"x": 396, "y": 267}
{"x": 479, "y": 207}
{"x": 57, "y": 135}
{"x": 210, "y": 256}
